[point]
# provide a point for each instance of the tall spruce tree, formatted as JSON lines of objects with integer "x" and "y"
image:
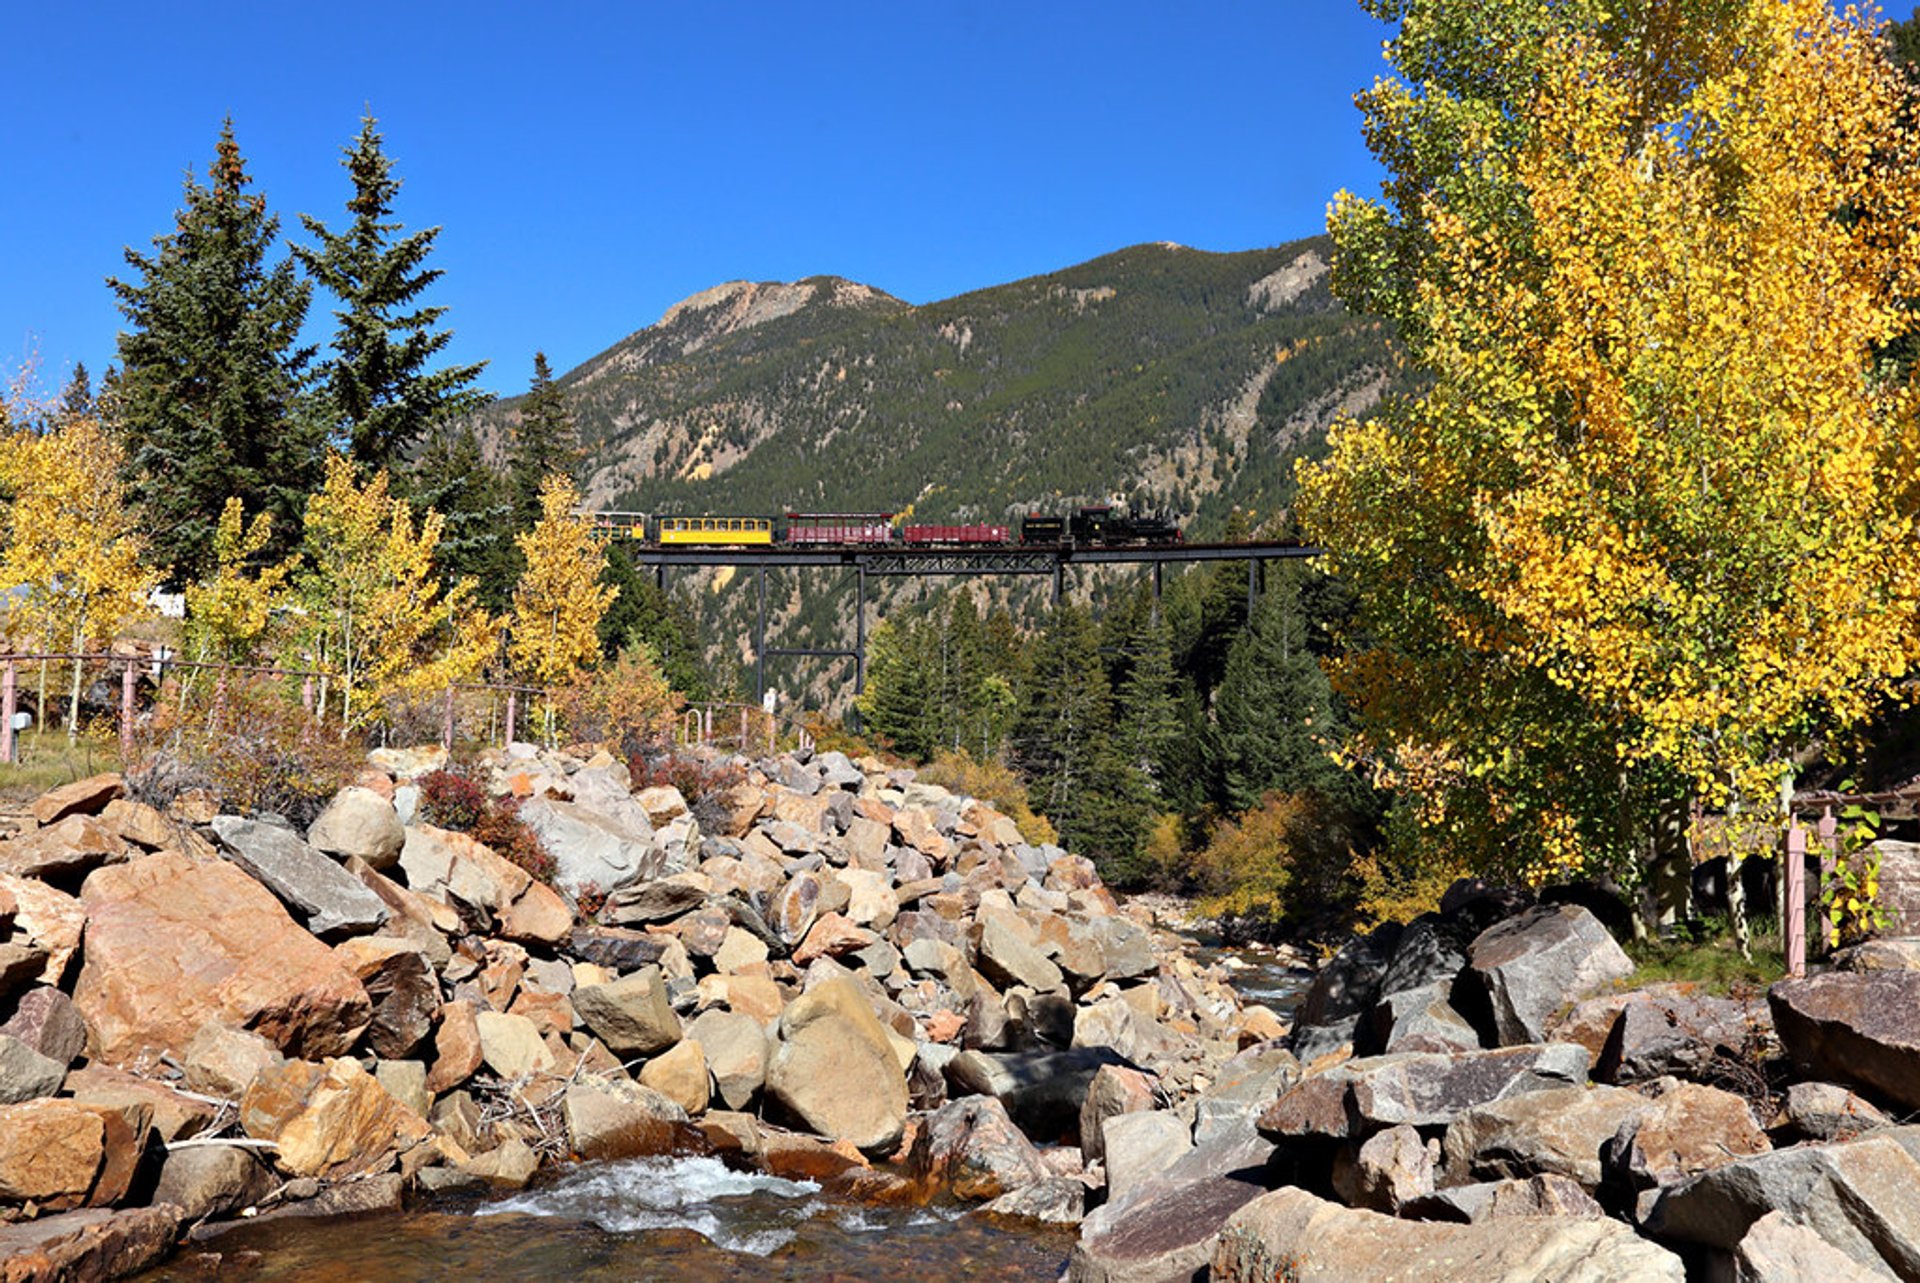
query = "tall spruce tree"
{"x": 381, "y": 398}
{"x": 645, "y": 616}
{"x": 209, "y": 396}
{"x": 544, "y": 441}
{"x": 76, "y": 401}
{"x": 451, "y": 477}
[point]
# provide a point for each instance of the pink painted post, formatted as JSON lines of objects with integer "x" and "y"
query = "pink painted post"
{"x": 126, "y": 713}
{"x": 513, "y": 710}
{"x": 1796, "y": 928}
{"x": 745, "y": 743}
{"x": 1829, "y": 859}
{"x": 446, "y": 730}
{"x": 306, "y": 692}
{"x": 7, "y": 679}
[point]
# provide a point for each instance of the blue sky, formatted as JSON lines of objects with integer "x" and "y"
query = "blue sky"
{"x": 592, "y": 164}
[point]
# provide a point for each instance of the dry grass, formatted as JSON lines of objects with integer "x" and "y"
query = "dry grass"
{"x": 48, "y": 760}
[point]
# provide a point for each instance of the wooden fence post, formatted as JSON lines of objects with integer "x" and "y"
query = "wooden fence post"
{"x": 1795, "y": 929}
{"x": 306, "y": 693}
{"x": 446, "y": 732}
{"x": 513, "y": 709}
{"x": 7, "y": 709}
{"x": 126, "y": 713}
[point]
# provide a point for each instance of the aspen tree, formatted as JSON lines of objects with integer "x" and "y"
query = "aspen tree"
{"x": 559, "y": 600}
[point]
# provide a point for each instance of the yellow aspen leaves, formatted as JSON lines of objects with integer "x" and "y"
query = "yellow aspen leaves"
{"x": 1649, "y": 533}
{"x": 559, "y": 600}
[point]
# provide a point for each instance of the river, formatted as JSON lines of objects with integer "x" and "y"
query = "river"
{"x": 660, "y": 1219}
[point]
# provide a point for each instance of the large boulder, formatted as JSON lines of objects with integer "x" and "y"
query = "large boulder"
{"x": 736, "y": 1050}
{"x": 1855, "y": 1027}
{"x": 359, "y": 823}
{"x": 492, "y": 894}
{"x": 172, "y": 945}
{"x": 1862, "y": 1197}
{"x": 92, "y": 1243}
{"x": 1421, "y": 1019}
{"x": 970, "y": 1149}
{"x": 1521, "y": 972}
{"x": 1680, "y": 1030}
{"x": 1042, "y": 1090}
{"x": 401, "y": 983}
{"x": 1291, "y": 1234}
{"x": 1165, "y": 1227}
{"x": 631, "y": 1015}
{"x": 1139, "y": 1146}
{"x": 214, "y": 1180}
{"x": 51, "y": 1152}
{"x": 1241, "y": 1089}
{"x": 1342, "y": 991}
{"x": 1114, "y": 1090}
{"x": 332, "y": 1120}
{"x": 331, "y": 901}
{"x": 614, "y": 1118}
{"x": 591, "y": 847}
{"x": 65, "y": 850}
{"x": 50, "y": 922}
{"x": 1422, "y": 1089}
{"x": 82, "y": 797}
{"x": 836, "y": 1071}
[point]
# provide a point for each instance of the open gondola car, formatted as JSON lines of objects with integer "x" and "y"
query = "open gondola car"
{"x": 839, "y": 528}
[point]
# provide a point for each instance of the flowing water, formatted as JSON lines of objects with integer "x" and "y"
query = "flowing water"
{"x": 660, "y": 1219}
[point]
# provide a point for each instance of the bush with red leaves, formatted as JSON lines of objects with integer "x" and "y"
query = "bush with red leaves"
{"x": 451, "y": 800}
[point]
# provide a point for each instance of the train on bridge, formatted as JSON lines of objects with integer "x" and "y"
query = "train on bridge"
{"x": 1094, "y": 526}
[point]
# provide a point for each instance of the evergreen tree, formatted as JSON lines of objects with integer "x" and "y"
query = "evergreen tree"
{"x": 1149, "y": 705}
{"x": 643, "y": 615}
{"x": 898, "y": 702}
{"x": 76, "y": 402}
{"x": 544, "y": 441}
{"x": 451, "y": 477}
{"x": 381, "y": 399}
{"x": 210, "y": 389}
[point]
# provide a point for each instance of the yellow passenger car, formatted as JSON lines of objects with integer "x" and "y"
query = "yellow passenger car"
{"x": 716, "y": 530}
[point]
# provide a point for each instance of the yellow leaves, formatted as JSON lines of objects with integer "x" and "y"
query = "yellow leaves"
{"x": 230, "y": 610}
{"x": 559, "y": 600}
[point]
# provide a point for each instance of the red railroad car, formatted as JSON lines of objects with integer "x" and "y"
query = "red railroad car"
{"x": 839, "y": 528}
{"x": 974, "y": 534}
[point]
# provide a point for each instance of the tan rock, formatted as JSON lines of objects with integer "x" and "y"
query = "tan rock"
{"x": 82, "y": 797}
{"x": 494, "y": 892}
{"x": 915, "y": 828}
{"x": 50, "y": 920}
{"x": 456, "y": 1045}
{"x": 612, "y": 1118}
{"x": 330, "y": 1120}
{"x": 224, "y": 1061}
{"x": 173, "y": 945}
{"x": 174, "y": 1116}
{"x": 680, "y": 1074}
{"x": 836, "y": 1070}
{"x": 50, "y": 1152}
{"x": 870, "y": 899}
{"x": 406, "y": 1082}
{"x": 508, "y": 1166}
{"x": 735, "y": 1048}
{"x": 831, "y": 936}
{"x": 661, "y": 803}
{"x": 512, "y": 1046}
{"x": 359, "y": 823}
{"x": 758, "y": 996}
{"x": 424, "y": 921}
{"x": 739, "y": 949}
{"x": 67, "y": 848}
{"x": 631, "y": 1015}
{"x": 140, "y": 824}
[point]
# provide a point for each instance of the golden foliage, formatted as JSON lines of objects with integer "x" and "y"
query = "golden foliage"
{"x": 628, "y": 705}
{"x": 1651, "y": 530}
{"x": 994, "y": 783}
{"x": 229, "y": 611}
{"x": 559, "y": 600}
{"x": 1279, "y": 860}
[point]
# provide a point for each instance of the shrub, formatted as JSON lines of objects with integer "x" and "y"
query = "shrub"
{"x": 451, "y": 800}
{"x": 628, "y": 706}
{"x": 250, "y": 742}
{"x": 704, "y": 785}
{"x": 997, "y": 785}
{"x": 1278, "y": 861}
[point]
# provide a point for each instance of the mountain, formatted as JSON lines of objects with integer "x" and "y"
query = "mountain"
{"x": 1181, "y": 380}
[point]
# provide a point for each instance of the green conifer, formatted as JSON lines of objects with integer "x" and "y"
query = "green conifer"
{"x": 544, "y": 440}
{"x": 451, "y": 477}
{"x": 381, "y": 398}
{"x": 209, "y": 396}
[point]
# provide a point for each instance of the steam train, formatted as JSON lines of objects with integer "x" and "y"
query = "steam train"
{"x": 1099, "y": 525}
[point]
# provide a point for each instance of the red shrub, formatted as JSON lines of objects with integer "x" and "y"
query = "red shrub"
{"x": 450, "y": 800}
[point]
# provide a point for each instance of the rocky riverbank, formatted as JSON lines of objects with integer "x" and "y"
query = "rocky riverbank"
{"x": 826, "y": 971}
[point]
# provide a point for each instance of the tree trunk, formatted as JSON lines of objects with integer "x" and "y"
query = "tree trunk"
{"x": 73, "y": 695}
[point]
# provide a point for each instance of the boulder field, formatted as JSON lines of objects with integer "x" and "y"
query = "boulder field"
{"x": 830, "y": 970}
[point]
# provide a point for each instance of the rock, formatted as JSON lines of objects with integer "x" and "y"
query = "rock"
{"x": 406, "y": 1082}
{"x": 1042, "y": 1090}
{"x": 1425, "y": 1089}
{"x": 1777, "y": 1248}
{"x": 1057, "y": 1200}
{"x": 223, "y": 1061}
{"x": 173, "y": 1116}
{"x": 1007, "y": 959}
{"x": 82, "y": 797}
{"x": 735, "y": 1046}
{"x": 329, "y": 899}
{"x": 1688, "y": 1128}
{"x": 835, "y": 1069}
{"x": 1862, "y": 1197}
{"x": 1879, "y": 955}
{"x": 631, "y": 1015}
{"x": 1414, "y": 1020}
{"x": 510, "y": 1165}
{"x": 1854, "y": 1027}
{"x": 46, "y": 1020}
{"x": 456, "y": 1047}
{"x": 25, "y": 1074}
{"x": 831, "y": 936}
{"x": 87, "y": 1246}
{"x": 1559, "y": 1131}
{"x": 1126, "y": 951}
{"x": 1828, "y": 1111}
{"x": 1342, "y": 991}
{"x": 51, "y": 922}
{"x": 616, "y": 1119}
{"x": 661, "y": 803}
{"x": 172, "y": 945}
{"x": 358, "y": 823}
{"x": 213, "y": 1181}
{"x": 64, "y": 850}
{"x": 1492, "y": 1200}
{"x": 50, "y": 1152}
{"x": 795, "y": 908}
{"x": 1139, "y": 1146}
{"x": 1291, "y": 1234}
{"x": 402, "y": 987}
{"x": 330, "y": 1120}
{"x": 680, "y": 1074}
{"x": 1242, "y": 1088}
{"x": 1429, "y": 951}
{"x": 511, "y": 1046}
{"x": 494, "y": 895}
{"x": 592, "y": 847}
{"x": 1523, "y": 970}
{"x": 1166, "y": 1227}
{"x": 1390, "y": 1169}
{"x": 425, "y": 923}
{"x": 616, "y": 950}
{"x": 916, "y": 829}
{"x": 971, "y": 1149}
{"x": 739, "y": 950}
{"x": 405, "y": 764}
{"x": 1113, "y": 1090}
{"x": 660, "y": 900}
{"x": 1678, "y": 1030}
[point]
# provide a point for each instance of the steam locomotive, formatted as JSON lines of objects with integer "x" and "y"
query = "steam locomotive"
{"x": 1099, "y": 525}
